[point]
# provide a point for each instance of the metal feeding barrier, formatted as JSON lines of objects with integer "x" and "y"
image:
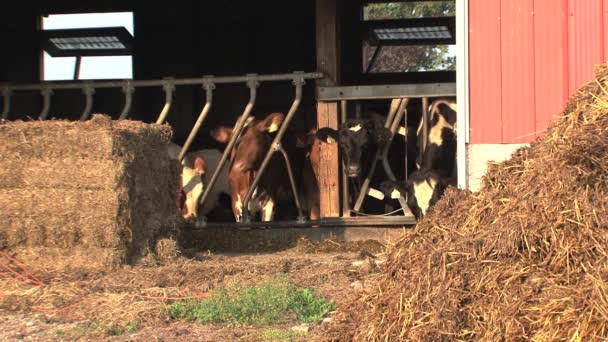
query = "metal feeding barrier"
{"x": 400, "y": 95}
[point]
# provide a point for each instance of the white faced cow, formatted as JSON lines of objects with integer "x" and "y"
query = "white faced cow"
{"x": 194, "y": 176}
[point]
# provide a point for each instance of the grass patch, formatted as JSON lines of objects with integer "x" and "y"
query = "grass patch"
{"x": 281, "y": 335}
{"x": 266, "y": 303}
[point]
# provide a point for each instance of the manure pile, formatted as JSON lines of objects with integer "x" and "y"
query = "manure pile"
{"x": 84, "y": 195}
{"x": 526, "y": 258}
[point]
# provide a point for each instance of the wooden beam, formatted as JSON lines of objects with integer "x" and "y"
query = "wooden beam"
{"x": 327, "y": 33}
{"x": 328, "y": 62}
{"x": 329, "y": 189}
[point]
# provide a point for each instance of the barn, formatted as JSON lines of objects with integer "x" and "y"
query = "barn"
{"x": 511, "y": 64}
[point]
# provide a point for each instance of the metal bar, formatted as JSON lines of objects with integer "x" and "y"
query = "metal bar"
{"x": 46, "y": 99}
{"x": 77, "y": 68}
{"x": 236, "y": 132}
{"x": 128, "y": 89}
{"x": 345, "y": 197}
{"x": 395, "y": 105}
{"x": 425, "y": 124}
{"x": 177, "y": 82}
{"x": 6, "y": 106}
{"x": 462, "y": 79}
{"x": 386, "y": 91}
{"x": 208, "y": 86}
{"x": 276, "y": 144}
{"x": 381, "y": 154}
{"x": 292, "y": 182}
{"x": 401, "y": 113}
{"x": 88, "y": 93}
{"x": 374, "y": 56}
{"x": 362, "y": 221}
{"x": 169, "y": 88}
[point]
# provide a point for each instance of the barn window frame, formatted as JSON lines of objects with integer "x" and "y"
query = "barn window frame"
{"x": 90, "y": 61}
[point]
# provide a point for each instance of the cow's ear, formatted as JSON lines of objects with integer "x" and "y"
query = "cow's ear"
{"x": 221, "y": 134}
{"x": 199, "y": 165}
{"x": 303, "y": 140}
{"x": 271, "y": 123}
{"x": 327, "y": 135}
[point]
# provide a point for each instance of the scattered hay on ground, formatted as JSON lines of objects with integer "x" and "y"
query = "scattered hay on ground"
{"x": 526, "y": 258}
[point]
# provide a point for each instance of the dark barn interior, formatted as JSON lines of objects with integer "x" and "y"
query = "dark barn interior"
{"x": 189, "y": 39}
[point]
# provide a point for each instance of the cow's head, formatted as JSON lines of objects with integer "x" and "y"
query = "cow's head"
{"x": 355, "y": 137}
{"x": 191, "y": 188}
{"x": 247, "y": 156}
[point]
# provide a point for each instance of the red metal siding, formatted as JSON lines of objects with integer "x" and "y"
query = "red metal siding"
{"x": 551, "y": 57}
{"x": 517, "y": 36}
{"x": 485, "y": 59}
{"x": 526, "y": 58}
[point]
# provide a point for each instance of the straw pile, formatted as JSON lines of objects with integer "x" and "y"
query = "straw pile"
{"x": 91, "y": 194}
{"x": 526, "y": 258}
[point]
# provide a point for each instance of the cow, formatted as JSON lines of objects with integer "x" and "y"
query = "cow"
{"x": 310, "y": 195}
{"x": 246, "y": 158}
{"x": 356, "y": 139}
{"x": 193, "y": 177}
{"x": 423, "y": 189}
{"x": 440, "y": 151}
{"x": 436, "y": 166}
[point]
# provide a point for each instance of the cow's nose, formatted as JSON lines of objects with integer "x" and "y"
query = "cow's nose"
{"x": 353, "y": 170}
{"x": 190, "y": 217}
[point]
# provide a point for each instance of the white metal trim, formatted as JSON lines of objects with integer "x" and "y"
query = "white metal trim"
{"x": 462, "y": 88}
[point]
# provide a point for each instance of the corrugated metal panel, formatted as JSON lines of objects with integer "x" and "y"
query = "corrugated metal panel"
{"x": 550, "y": 60}
{"x": 517, "y": 50}
{"x": 524, "y": 66}
{"x": 586, "y": 40}
{"x": 484, "y": 71}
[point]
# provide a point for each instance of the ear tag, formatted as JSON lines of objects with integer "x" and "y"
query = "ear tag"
{"x": 395, "y": 194}
{"x": 331, "y": 140}
{"x": 375, "y": 194}
{"x": 403, "y": 131}
{"x": 355, "y": 128}
{"x": 273, "y": 127}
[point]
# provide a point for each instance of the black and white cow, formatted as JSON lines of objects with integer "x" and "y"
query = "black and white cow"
{"x": 436, "y": 166}
{"x": 423, "y": 189}
{"x": 440, "y": 151}
{"x": 358, "y": 140}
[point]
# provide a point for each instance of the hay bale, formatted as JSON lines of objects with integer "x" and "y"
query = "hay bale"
{"x": 526, "y": 258}
{"x": 99, "y": 184}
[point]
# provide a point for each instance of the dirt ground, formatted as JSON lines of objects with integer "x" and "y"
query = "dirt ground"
{"x": 129, "y": 304}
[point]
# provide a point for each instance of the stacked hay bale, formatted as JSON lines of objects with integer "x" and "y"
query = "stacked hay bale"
{"x": 526, "y": 258}
{"x": 84, "y": 195}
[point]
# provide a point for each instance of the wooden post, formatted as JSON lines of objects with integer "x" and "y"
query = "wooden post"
{"x": 328, "y": 62}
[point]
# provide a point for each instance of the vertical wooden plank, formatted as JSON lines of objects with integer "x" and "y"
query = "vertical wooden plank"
{"x": 485, "y": 72}
{"x": 327, "y": 31}
{"x": 517, "y": 50}
{"x": 550, "y": 60}
{"x": 327, "y": 116}
{"x": 327, "y": 34}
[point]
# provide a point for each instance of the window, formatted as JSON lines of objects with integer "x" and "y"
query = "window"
{"x": 92, "y": 67}
{"x": 409, "y": 37}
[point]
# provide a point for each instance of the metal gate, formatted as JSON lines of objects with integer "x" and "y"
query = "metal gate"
{"x": 398, "y": 93}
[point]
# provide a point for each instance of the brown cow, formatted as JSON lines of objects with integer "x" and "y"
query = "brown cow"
{"x": 246, "y": 158}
